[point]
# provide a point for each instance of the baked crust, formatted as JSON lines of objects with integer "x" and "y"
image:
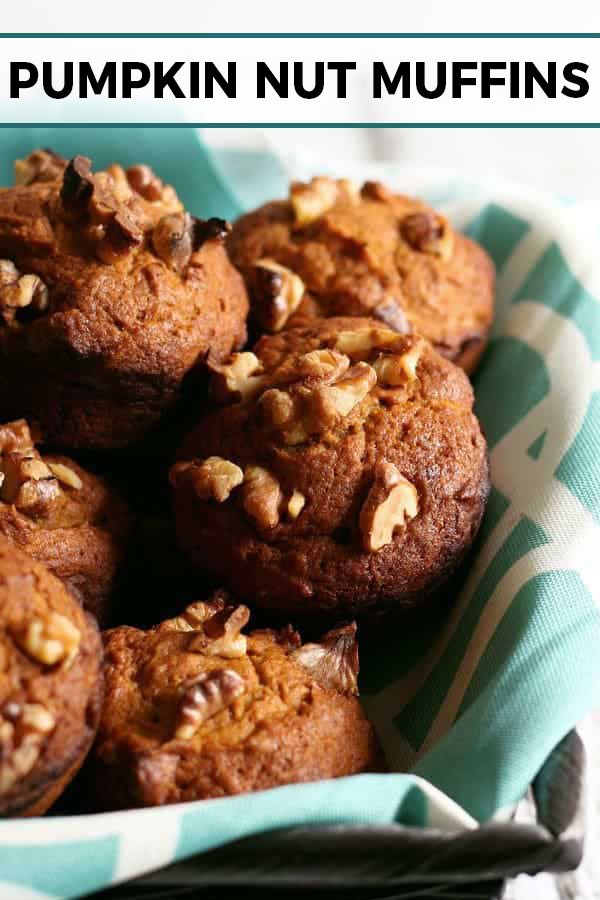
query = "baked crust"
{"x": 324, "y": 553}
{"x": 360, "y": 258}
{"x": 132, "y": 296}
{"x": 51, "y": 686}
{"x": 195, "y": 710}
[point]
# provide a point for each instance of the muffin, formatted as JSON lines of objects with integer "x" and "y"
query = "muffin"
{"x": 111, "y": 297}
{"x": 62, "y": 516}
{"x": 51, "y": 685}
{"x": 332, "y": 250}
{"x": 195, "y": 709}
{"x": 346, "y": 474}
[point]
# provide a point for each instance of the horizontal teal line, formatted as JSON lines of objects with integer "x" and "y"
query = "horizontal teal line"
{"x": 304, "y": 34}
{"x": 300, "y": 125}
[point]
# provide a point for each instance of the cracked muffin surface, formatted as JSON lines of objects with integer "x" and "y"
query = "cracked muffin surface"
{"x": 334, "y": 250}
{"x": 50, "y": 684}
{"x": 345, "y": 472}
{"x": 110, "y": 296}
{"x": 63, "y": 516}
{"x": 196, "y": 709}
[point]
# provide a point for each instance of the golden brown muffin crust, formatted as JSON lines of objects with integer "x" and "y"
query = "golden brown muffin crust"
{"x": 285, "y": 496}
{"x": 371, "y": 252}
{"x": 195, "y": 709}
{"x": 130, "y": 295}
{"x": 63, "y": 516}
{"x": 50, "y": 684}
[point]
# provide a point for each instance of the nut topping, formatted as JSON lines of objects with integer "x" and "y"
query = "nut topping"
{"x": 311, "y": 201}
{"x": 15, "y": 436}
{"x": 17, "y": 293}
{"x": 390, "y": 504}
{"x": 219, "y": 634}
{"x": 66, "y": 475}
{"x": 178, "y": 235}
{"x": 296, "y": 504}
{"x": 262, "y": 497}
{"x": 324, "y": 365}
{"x": 77, "y": 187}
{"x": 365, "y": 342}
{"x": 213, "y": 479}
{"x": 27, "y": 482}
{"x": 23, "y": 730}
{"x": 350, "y": 390}
{"x": 428, "y": 232}
{"x": 145, "y": 182}
{"x": 50, "y": 641}
{"x": 334, "y": 661}
{"x": 394, "y": 370}
{"x": 276, "y": 294}
{"x": 41, "y": 165}
{"x": 207, "y": 695}
{"x": 238, "y": 379}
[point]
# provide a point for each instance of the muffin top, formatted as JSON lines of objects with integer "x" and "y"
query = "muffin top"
{"x": 51, "y": 491}
{"x": 196, "y": 708}
{"x": 108, "y": 265}
{"x": 332, "y": 249}
{"x": 50, "y": 657}
{"x": 347, "y": 468}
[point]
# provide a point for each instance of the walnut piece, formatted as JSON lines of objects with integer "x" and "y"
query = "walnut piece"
{"x": 311, "y": 201}
{"x": 178, "y": 235}
{"x": 15, "y": 436}
{"x": 41, "y": 165}
{"x": 428, "y": 232}
{"x": 261, "y": 496}
{"x": 220, "y": 632}
{"x": 51, "y": 640}
{"x": 27, "y": 482}
{"x": 333, "y": 662}
{"x": 391, "y": 502}
{"x": 66, "y": 475}
{"x": 329, "y": 391}
{"x": 238, "y": 379}
{"x": 19, "y": 292}
{"x": 145, "y": 182}
{"x": 202, "y": 698}
{"x": 276, "y": 294}
{"x": 296, "y": 504}
{"x": 211, "y": 479}
{"x": 395, "y": 369}
{"x": 363, "y": 343}
{"x": 23, "y": 730}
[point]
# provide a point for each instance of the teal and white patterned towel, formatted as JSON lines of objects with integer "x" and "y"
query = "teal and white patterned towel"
{"x": 473, "y": 710}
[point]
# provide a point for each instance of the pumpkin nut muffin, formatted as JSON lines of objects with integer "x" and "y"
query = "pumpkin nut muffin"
{"x": 331, "y": 249}
{"x": 50, "y": 684}
{"x": 111, "y": 295}
{"x": 196, "y": 709}
{"x": 62, "y": 516}
{"x": 345, "y": 471}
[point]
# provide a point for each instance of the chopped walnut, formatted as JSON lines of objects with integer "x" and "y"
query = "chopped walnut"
{"x": 276, "y": 294}
{"x": 311, "y": 201}
{"x": 375, "y": 190}
{"x": 238, "y": 379}
{"x": 51, "y": 640}
{"x": 219, "y": 634}
{"x": 211, "y": 479}
{"x": 66, "y": 475}
{"x": 122, "y": 234}
{"x": 296, "y": 504}
{"x": 23, "y": 730}
{"x": 41, "y": 165}
{"x": 363, "y": 343}
{"x": 391, "y": 314}
{"x": 15, "y": 436}
{"x": 178, "y": 235}
{"x": 394, "y": 369}
{"x": 8, "y": 272}
{"x": 204, "y": 697}
{"x": 261, "y": 496}
{"x": 27, "y": 482}
{"x": 77, "y": 187}
{"x": 26, "y": 292}
{"x": 145, "y": 182}
{"x": 428, "y": 232}
{"x": 333, "y": 662}
{"x": 391, "y": 502}
{"x": 330, "y": 391}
